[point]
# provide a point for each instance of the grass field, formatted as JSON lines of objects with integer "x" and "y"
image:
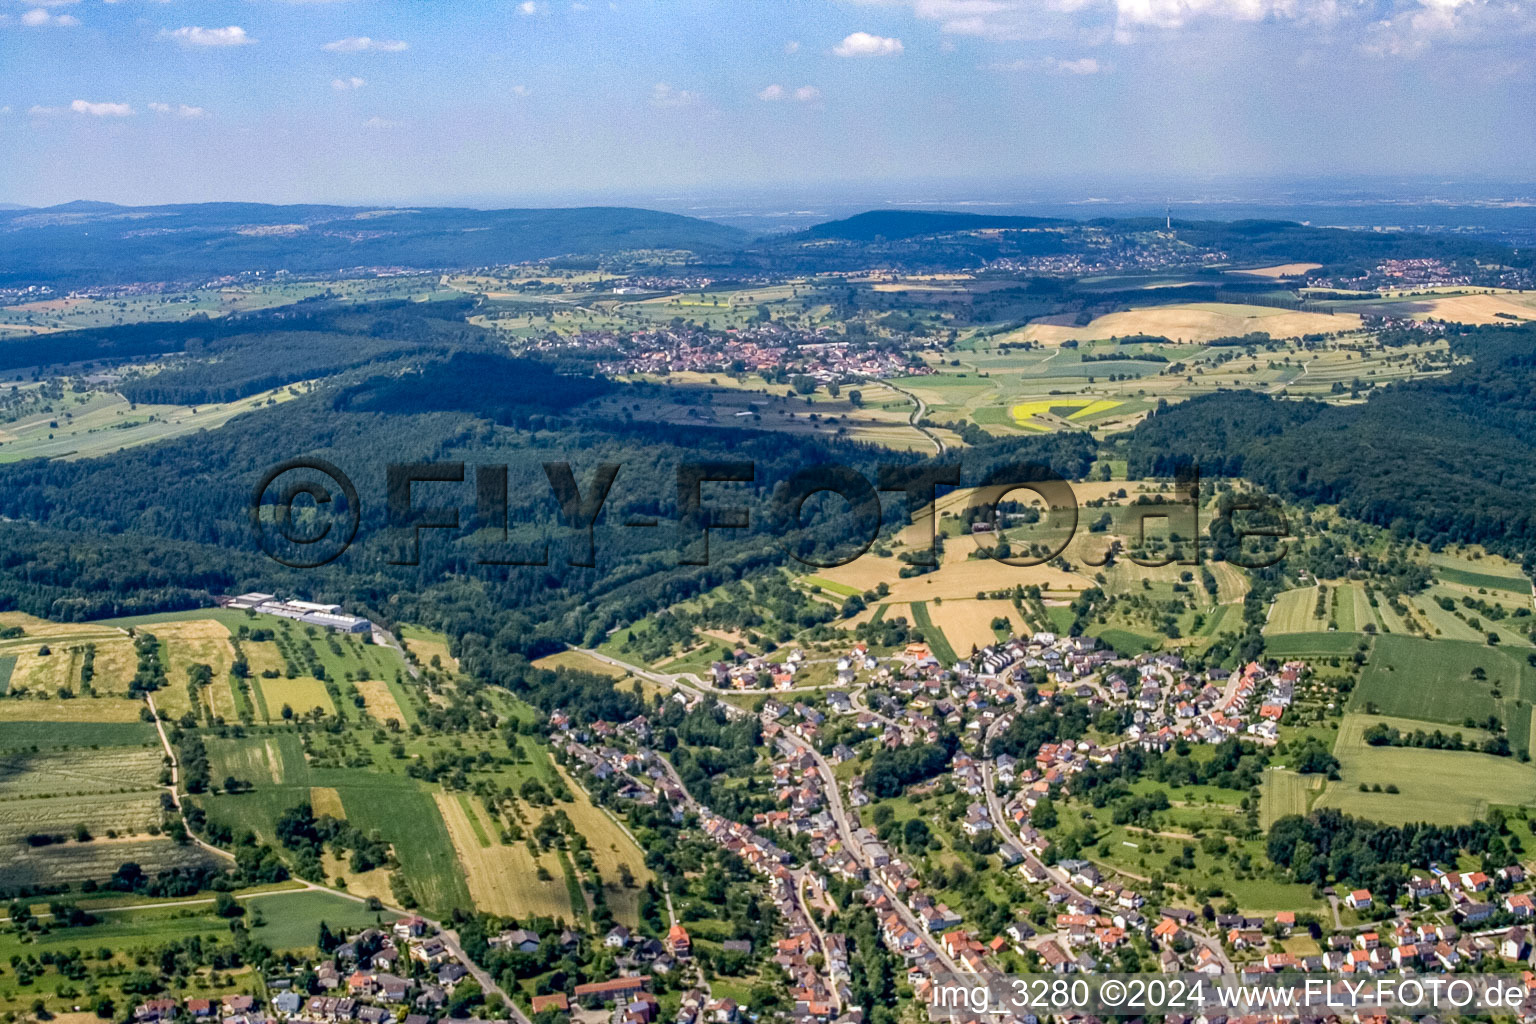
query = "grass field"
{"x": 408, "y": 818}
{"x": 276, "y": 759}
{"x": 1286, "y": 793}
{"x": 1127, "y": 641}
{"x": 293, "y": 918}
{"x": 1293, "y": 613}
{"x": 840, "y": 589}
{"x": 1435, "y": 680}
{"x": 1514, "y": 584}
{"x": 1311, "y": 645}
{"x": 691, "y": 399}
{"x": 291, "y": 922}
{"x": 107, "y": 423}
{"x": 1438, "y": 786}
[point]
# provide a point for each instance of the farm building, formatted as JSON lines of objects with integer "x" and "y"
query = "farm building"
{"x": 311, "y": 613}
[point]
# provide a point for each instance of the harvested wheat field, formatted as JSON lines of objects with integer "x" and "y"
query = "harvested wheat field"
{"x": 957, "y": 577}
{"x": 378, "y": 701}
{"x": 358, "y": 883}
{"x": 303, "y": 695}
{"x": 1466, "y": 309}
{"x": 502, "y": 879}
{"x": 1203, "y": 321}
{"x": 59, "y": 668}
{"x": 326, "y": 801}
{"x": 44, "y": 629}
{"x": 80, "y": 709}
{"x": 426, "y": 645}
{"x": 967, "y": 624}
{"x": 221, "y": 700}
{"x": 580, "y": 662}
{"x": 1278, "y": 270}
{"x": 611, "y": 847}
{"x": 263, "y": 657}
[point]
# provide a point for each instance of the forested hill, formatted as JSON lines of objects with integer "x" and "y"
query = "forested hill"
{"x": 897, "y": 224}
{"x": 930, "y": 241}
{"x": 80, "y": 244}
{"x": 1446, "y": 459}
{"x": 163, "y": 526}
{"x": 103, "y": 243}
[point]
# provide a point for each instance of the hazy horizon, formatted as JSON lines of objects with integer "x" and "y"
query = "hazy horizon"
{"x": 391, "y": 103}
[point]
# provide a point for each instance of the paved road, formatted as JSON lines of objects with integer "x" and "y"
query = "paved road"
{"x": 384, "y": 638}
{"x": 995, "y": 809}
{"x": 845, "y": 828}
{"x": 918, "y": 413}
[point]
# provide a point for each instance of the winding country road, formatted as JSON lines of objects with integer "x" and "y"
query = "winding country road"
{"x": 919, "y": 411}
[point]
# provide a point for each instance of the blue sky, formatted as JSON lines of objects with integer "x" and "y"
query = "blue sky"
{"x": 142, "y": 101}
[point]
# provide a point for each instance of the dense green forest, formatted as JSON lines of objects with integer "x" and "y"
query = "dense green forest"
{"x": 272, "y": 344}
{"x": 1443, "y": 460}
{"x": 167, "y": 526}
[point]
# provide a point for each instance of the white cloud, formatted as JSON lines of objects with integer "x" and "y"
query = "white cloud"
{"x": 196, "y": 35}
{"x": 345, "y": 84}
{"x": 1417, "y": 27}
{"x": 1381, "y": 26}
{"x": 101, "y": 109}
{"x": 1076, "y": 66}
{"x": 521, "y": 90}
{"x": 380, "y": 123}
{"x": 862, "y": 44}
{"x": 792, "y": 46}
{"x": 663, "y": 95}
{"x": 528, "y": 8}
{"x": 39, "y": 18}
{"x": 358, "y": 44}
{"x": 178, "y": 109}
{"x": 776, "y": 92}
